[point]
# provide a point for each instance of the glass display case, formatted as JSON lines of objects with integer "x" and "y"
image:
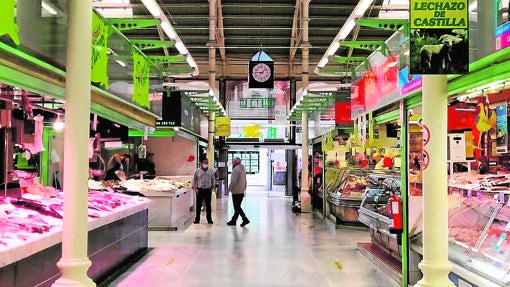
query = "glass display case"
{"x": 479, "y": 224}
{"x": 345, "y": 188}
{"x": 373, "y": 211}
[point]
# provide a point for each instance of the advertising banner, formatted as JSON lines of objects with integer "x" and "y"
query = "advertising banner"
{"x": 501, "y": 129}
{"x": 171, "y": 110}
{"x": 99, "y": 62}
{"x": 343, "y": 113}
{"x": 243, "y": 102}
{"x": 141, "y": 70}
{"x": 439, "y": 37}
{"x": 8, "y": 24}
{"x": 377, "y": 87}
{"x": 222, "y": 126}
{"x": 501, "y": 25}
{"x": 357, "y": 99}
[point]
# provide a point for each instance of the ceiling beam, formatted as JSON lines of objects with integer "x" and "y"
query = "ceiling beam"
{"x": 220, "y": 35}
{"x": 295, "y": 37}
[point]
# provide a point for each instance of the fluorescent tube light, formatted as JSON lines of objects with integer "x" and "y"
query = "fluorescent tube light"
{"x": 191, "y": 62}
{"x": 323, "y": 62}
{"x": 332, "y": 48}
{"x": 169, "y": 30}
{"x": 121, "y": 63}
{"x": 50, "y": 8}
{"x": 153, "y": 7}
{"x": 181, "y": 48}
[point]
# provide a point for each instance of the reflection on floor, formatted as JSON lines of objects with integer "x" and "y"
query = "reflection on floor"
{"x": 278, "y": 248}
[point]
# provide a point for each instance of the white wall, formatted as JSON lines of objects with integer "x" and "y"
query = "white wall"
{"x": 171, "y": 155}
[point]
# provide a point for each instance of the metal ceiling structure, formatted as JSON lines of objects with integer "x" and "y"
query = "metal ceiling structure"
{"x": 244, "y": 28}
{"x": 236, "y": 29}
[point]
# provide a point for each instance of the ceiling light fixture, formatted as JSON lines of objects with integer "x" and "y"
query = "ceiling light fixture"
{"x": 153, "y": 7}
{"x": 58, "y": 124}
{"x": 50, "y": 8}
{"x": 169, "y": 30}
{"x": 346, "y": 29}
{"x": 181, "y": 48}
{"x": 121, "y": 63}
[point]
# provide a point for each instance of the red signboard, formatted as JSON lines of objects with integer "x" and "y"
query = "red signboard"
{"x": 378, "y": 87}
{"x": 357, "y": 99}
{"x": 343, "y": 113}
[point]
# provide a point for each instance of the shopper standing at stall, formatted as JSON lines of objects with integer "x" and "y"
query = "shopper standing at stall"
{"x": 203, "y": 182}
{"x": 238, "y": 187}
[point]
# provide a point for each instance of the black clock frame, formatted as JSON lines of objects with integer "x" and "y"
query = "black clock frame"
{"x": 253, "y": 84}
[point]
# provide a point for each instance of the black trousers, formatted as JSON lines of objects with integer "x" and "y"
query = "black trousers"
{"x": 237, "y": 199}
{"x": 204, "y": 194}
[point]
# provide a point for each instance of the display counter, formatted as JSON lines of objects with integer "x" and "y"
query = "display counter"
{"x": 171, "y": 200}
{"x": 345, "y": 188}
{"x": 478, "y": 227}
{"x": 373, "y": 211}
{"x": 30, "y": 238}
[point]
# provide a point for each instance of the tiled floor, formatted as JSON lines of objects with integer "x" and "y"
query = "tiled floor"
{"x": 278, "y": 248}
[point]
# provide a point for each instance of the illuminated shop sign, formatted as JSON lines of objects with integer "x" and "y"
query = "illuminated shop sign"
{"x": 377, "y": 88}
{"x": 501, "y": 25}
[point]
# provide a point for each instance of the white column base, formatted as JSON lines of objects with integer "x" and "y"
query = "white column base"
{"x": 74, "y": 273}
{"x": 306, "y": 201}
{"x": 435, "y": 274}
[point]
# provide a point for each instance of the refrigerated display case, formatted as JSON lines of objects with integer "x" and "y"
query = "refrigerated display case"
{"x": 373, "y": 211}
{"x": 171, "y": 200}
{"x": 345, "y": 191}
{"x": 32, "y": 231}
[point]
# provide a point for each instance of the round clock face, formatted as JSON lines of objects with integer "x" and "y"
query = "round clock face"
{"x": 261, "y": 72}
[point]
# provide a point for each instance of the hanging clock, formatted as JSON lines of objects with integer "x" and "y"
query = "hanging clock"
{"x": 261, "y": 74}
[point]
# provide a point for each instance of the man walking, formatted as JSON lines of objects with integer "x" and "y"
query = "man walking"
{"x": 237, "y": 187}
{"x": 203, "y": 182}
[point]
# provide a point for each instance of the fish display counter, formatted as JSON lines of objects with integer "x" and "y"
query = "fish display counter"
{"x": 171, "y": 199}
{"x": 31, "y": 234}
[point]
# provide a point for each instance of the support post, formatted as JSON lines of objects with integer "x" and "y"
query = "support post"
{"x": 306, "y": 200}
{"x": 74, "y": 262}
{"x": 210, "y": 139}
{"x": 435, "y": 265}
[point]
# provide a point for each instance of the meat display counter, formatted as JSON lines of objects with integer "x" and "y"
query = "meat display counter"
{"x": 345, "y": 188}
{"x": 478, "y": 228}
{"x": 373, "y": 211}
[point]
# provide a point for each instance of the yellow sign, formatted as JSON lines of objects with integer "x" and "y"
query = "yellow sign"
{"x": 222, "y": 127}
{"x": 439, "y": 14}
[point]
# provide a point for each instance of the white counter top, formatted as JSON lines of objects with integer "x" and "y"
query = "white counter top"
{"x": 36, "y": 242}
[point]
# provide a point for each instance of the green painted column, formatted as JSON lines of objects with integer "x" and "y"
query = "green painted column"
{"x": 435, "y": 265}
{"x": 74, "y": 262}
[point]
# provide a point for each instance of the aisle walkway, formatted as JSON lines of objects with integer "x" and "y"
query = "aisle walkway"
{"x": 277, "y": 249}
